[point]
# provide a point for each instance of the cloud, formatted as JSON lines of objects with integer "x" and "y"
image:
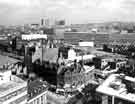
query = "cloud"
{"x": 20, "y": 2}
{"x": 75, "y": 11}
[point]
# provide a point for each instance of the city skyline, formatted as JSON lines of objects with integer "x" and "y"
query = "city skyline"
{"x": 15, "y": 12}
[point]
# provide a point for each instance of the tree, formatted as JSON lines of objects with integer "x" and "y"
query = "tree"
{"x": 131, "y": 48}
{"x": 105, "y": 47}
{"x": 90, "y": 93}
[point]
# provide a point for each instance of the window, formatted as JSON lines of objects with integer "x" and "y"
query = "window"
{"x": 11, "y": 95}
{"x": 42, "y": 99}
{"x": 35, "y": 102}
{"x": 38, "y": 100}
{"x": 117, "y": 65}
{"x": 109, "y": 100}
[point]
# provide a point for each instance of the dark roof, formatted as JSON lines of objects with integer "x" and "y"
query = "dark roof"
{"x": 77, "y": 99}
{"x": 36, "y": 87}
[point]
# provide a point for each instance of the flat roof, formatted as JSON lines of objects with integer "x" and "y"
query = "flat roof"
{"x": 10, "y": 86}
{"x": 6, "y": 59}
{"x": 121, "y": 92}
{"x": 103, "y": 55}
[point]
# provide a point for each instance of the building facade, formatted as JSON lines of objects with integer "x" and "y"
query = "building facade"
{"x": 39, "y": 99}
{"x": 13, "y": 91}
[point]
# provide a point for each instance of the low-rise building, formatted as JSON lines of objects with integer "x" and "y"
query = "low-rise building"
{"x": 13, "y": 90}
{"x": 72, "y": 79}
{"x": 117, "y": 89}
{"x": 106, "y": 65}
{"x": 37, "y": 91}
{"x": 101, "y": 62}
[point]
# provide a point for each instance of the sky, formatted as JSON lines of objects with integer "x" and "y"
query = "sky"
{"x": 73, "y": 11}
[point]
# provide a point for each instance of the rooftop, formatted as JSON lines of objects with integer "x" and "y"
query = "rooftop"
{"x": 119, "y": 86}
{"x": 105, "y": 55}
{"x": 11, "y": 85}
{"x": 6, "y": 60}
{"x": 36, "y": 87}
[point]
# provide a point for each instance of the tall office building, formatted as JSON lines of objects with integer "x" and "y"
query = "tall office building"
{"x": 47, "y": 22}
{"x": 42, "y": 22}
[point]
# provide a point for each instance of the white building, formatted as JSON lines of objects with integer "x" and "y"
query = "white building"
{"x": 13, "y": 90}
{"x": 39, "y": 99}
{"x": 34, "y": 36}
{"x": 71, "y": 54}
{"x": 115, "y": 88}
{"x": 86, "y": 44}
